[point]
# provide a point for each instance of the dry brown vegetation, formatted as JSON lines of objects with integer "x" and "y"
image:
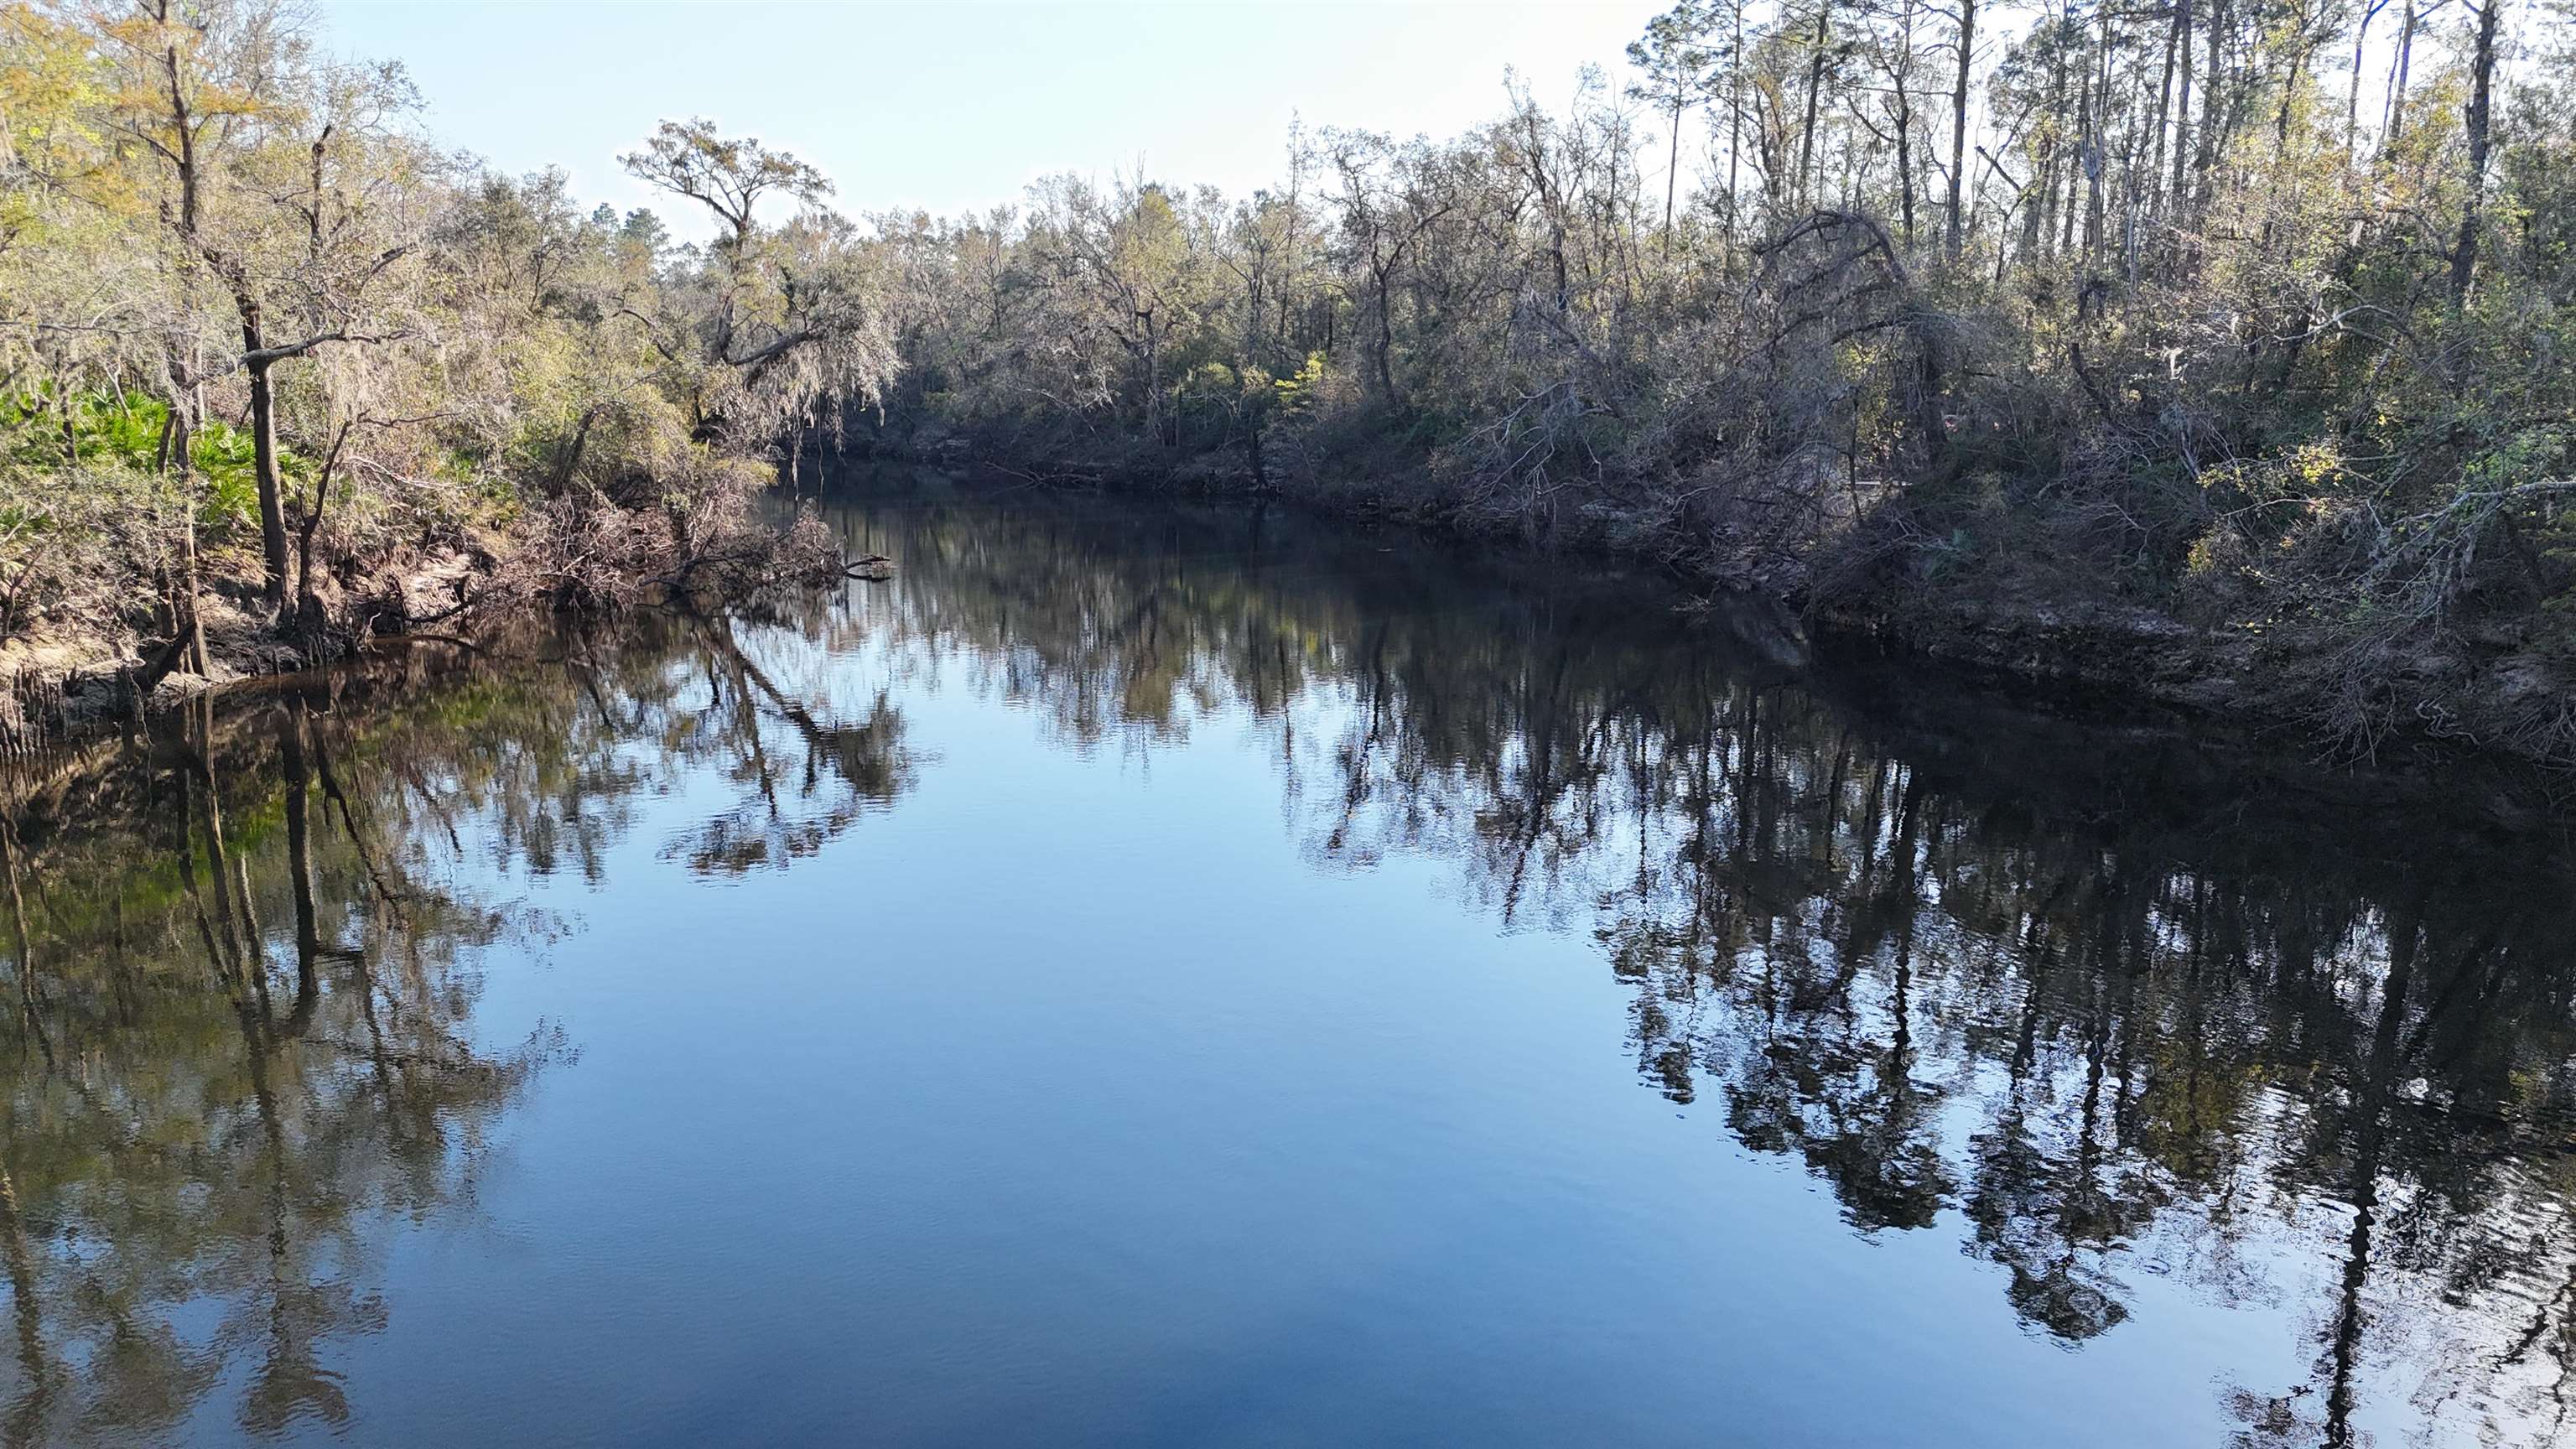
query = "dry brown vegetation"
{"x": 2214, "y": 346}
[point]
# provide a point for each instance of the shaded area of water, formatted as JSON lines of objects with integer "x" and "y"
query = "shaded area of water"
{"x": 1174, "y": 976}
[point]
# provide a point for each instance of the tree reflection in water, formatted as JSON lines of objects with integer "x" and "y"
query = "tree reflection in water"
{"x": 247, "y": 954}
{"x": 2101, "y": 1006}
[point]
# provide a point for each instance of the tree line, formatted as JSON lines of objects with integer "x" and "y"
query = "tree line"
{"x": 2211, "y": 341}
{"x": 2246, "y": 314}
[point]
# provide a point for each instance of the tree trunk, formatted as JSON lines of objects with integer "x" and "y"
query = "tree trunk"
{"x": 1385, "y": 348}
{"x": 2164, "y": 105}
{"x": 1153, "y": 380}
{"x": 2464, "y": 257}
{"x": 2352, "y": 95}
{"x": 263, "y": 451}
{"x": 308, "y": 604}
{"x": 2092, "y": 155}
{"x": 1905, "y": 161}
{"x": 2301, "y": 49}
{"x": 2397, "y": 81}
{"x": 1959, "y": 123}
{"x": 1735, "y": 125}
{"x": 2205, "y": 163}
{"x": 2182, "y": 109}
{"x": 1815, "y": 84}
{"x": 2083, "y": 134}
{"x": 186, "y": 618}
{"x": 1672, "y": 174}
{"x": 2039, "y": 236}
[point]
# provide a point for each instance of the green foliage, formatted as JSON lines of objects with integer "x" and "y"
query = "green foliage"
{"x": 430, "y": 349}
{"x": 1299, "y": 392}
{"x": 130, "y": 432}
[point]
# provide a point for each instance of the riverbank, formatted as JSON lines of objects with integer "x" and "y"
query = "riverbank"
{"x": 2022, "y": 624}
{"x": 85, "y": 671}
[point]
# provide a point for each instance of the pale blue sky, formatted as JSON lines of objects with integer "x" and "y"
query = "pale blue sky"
{"x": 959, "y": 105}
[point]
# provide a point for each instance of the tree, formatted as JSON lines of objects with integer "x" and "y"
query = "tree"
{"x": 1898, "y": 57}
{"x": 1679, "y": 71}
{"x": 284, "y": 181}
{"x": 727, "y": 176}
{"x": 783, "y": 317}
{"x": 1390, "y": 199}
{"x": 1129, "y": 267}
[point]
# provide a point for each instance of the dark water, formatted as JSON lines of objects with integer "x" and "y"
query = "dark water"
{"x": 1196, "y": 978}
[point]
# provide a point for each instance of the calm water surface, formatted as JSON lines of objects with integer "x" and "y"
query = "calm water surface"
{"x": 1148, "y": 976}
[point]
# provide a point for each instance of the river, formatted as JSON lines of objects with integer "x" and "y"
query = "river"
{"x": 1164, "y": 975}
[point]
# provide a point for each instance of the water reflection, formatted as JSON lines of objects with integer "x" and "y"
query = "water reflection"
{"x": 2104, "y": 1009}
{"x": 247, "y": 953}
{"x": 241, "y": 1039}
